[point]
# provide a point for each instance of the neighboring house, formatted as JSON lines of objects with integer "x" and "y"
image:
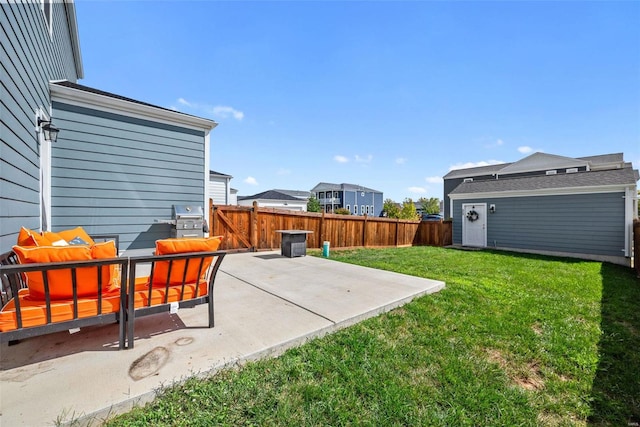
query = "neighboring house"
{"x": 118, "y": 164}
{"x": 220, "y": 189}
{"x": 233, "y": 200}
{"x": 275, "y": 199}
{"x": 581, "y": 207}
{"x": 356, "y": 199}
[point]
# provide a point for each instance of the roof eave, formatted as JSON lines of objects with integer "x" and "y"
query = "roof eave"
{"x": 72, "y": 22}
{"x": 105, "y": 103}
{"x": 542, "y": 192}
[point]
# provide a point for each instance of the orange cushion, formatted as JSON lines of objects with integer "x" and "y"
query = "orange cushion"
{"x": 69, "y": 235}
{"x": 60, "y": 286}
{"x": 141, "y": 295}
{"x": 110, "y": 273}
{"x": 28, "y": 238}
{"x": 25, "y": 237}
{"x": 34, "y": 312}
{"x": 180, "y": 246}
{"x": 54, "y": 238}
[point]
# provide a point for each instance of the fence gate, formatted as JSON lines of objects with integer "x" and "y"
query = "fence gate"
{"x": 234, "y": 224}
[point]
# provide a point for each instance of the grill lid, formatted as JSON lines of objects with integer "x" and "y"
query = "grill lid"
{"x": 186, "y": 211}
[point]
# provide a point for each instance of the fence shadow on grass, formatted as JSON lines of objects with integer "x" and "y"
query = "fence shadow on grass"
{"x": 616, "y": 387}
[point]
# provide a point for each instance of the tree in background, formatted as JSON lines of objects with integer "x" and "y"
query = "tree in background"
{"x": 391, "y": 209}
{"x": 408, "y": 210}
{"x": 430, "y": 205}
{"x": 313, "y": 205}
{"x": 342, "y": 211}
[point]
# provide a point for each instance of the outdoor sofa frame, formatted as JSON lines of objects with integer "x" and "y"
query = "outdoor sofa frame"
{"x": 135, "y": 298}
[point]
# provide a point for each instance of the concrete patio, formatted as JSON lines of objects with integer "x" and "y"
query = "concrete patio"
{"x": 265, "y": 303}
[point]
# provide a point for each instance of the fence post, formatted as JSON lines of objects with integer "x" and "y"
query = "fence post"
{"x": 213, "y": 220}
{"x": 364, "y": 231}
{"x": 321, "y": 231}
{"x": 253, "y": 227}
{"x": 397, "y": 230}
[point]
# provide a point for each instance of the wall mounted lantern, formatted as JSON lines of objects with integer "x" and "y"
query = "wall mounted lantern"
{"x": 49, "y": 130}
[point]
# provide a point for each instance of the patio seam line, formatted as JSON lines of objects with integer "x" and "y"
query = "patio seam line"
{"x": 279, "y": 297}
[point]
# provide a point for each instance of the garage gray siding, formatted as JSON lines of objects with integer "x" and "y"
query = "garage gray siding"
{"x": 30, "y": 58}
{"x": 113, "y": 174}
{"x": 579, "y": 223}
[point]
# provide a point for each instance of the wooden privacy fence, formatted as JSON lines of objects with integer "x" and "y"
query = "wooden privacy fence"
{"x": 254, "y": 228}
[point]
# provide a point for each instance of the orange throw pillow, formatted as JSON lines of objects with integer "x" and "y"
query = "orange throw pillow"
{"x": 180, "y": 246}
{"x": 69, "y": 235}
{"x": 28, "y": 238}
{"x": 110, "y": 273}
{"x": 54, "y": 238}
{"x": 60, "y": 286}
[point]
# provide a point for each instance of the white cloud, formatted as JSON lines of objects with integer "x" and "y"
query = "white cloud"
{"x": 525, "y": 149}
{"x": 250, "y": 180}
{"x": 340, "y": 159}
{"x": 434, "y": 179}
{"x": 364, "y": 159}
{"x": 401, "y": 161}
{"x": 221, "y": 111}
{"x": 474, "y": 164}
{"x": 417, "y": 190}
{"x": 496, "y": 143}
{"x": 225, "y": 112}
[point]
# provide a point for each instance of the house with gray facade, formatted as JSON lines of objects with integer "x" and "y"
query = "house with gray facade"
{"x": 117, "y": 165}
{"x": 579, "y": 207}
{"x": 356, "y": 199}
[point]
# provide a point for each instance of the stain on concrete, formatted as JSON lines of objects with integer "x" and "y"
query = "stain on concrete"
{"x": 184, "y": 341}
{"x": 149, "y": 364}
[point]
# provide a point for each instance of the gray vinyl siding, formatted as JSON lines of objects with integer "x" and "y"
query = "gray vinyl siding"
{"x": 113, "y": 174}
{"x": 450, "y": 184}
{"x": 579, "y": 223}
{"x": 218, "y": 191}
{"x": 29, "y": 59}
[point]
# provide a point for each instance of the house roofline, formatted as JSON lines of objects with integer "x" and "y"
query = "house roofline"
{"x": 543, "y": 192}
{"x": 72, "y": 22}
{"x": 84, "y": 96}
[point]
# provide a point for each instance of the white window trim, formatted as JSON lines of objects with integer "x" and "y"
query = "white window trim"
{"x": 48, "y": 19}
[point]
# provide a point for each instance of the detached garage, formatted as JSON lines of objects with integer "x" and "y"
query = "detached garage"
{"x": 548, "y": 204}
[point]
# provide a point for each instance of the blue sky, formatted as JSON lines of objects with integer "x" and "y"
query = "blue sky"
{"x": 389, "y": 95}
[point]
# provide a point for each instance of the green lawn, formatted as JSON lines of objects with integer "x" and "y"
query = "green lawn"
{"x": 512, "y": 340}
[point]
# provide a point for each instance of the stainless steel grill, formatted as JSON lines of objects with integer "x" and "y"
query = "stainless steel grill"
{"x": 187, "y": 221}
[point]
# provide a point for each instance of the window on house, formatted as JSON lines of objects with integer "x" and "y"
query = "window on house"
{"x": 468, "y": 180}
{"x": 362, "y": 209}
{"x": 572, "y": 170}
{"x": 552, "y": 172}
{"x": 355, "y": 209}
{"x": 46, "y": 10}
{"x": 349, "y": 208}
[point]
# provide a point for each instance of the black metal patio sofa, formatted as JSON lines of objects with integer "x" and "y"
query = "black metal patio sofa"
{"x": 185, "y": 279}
